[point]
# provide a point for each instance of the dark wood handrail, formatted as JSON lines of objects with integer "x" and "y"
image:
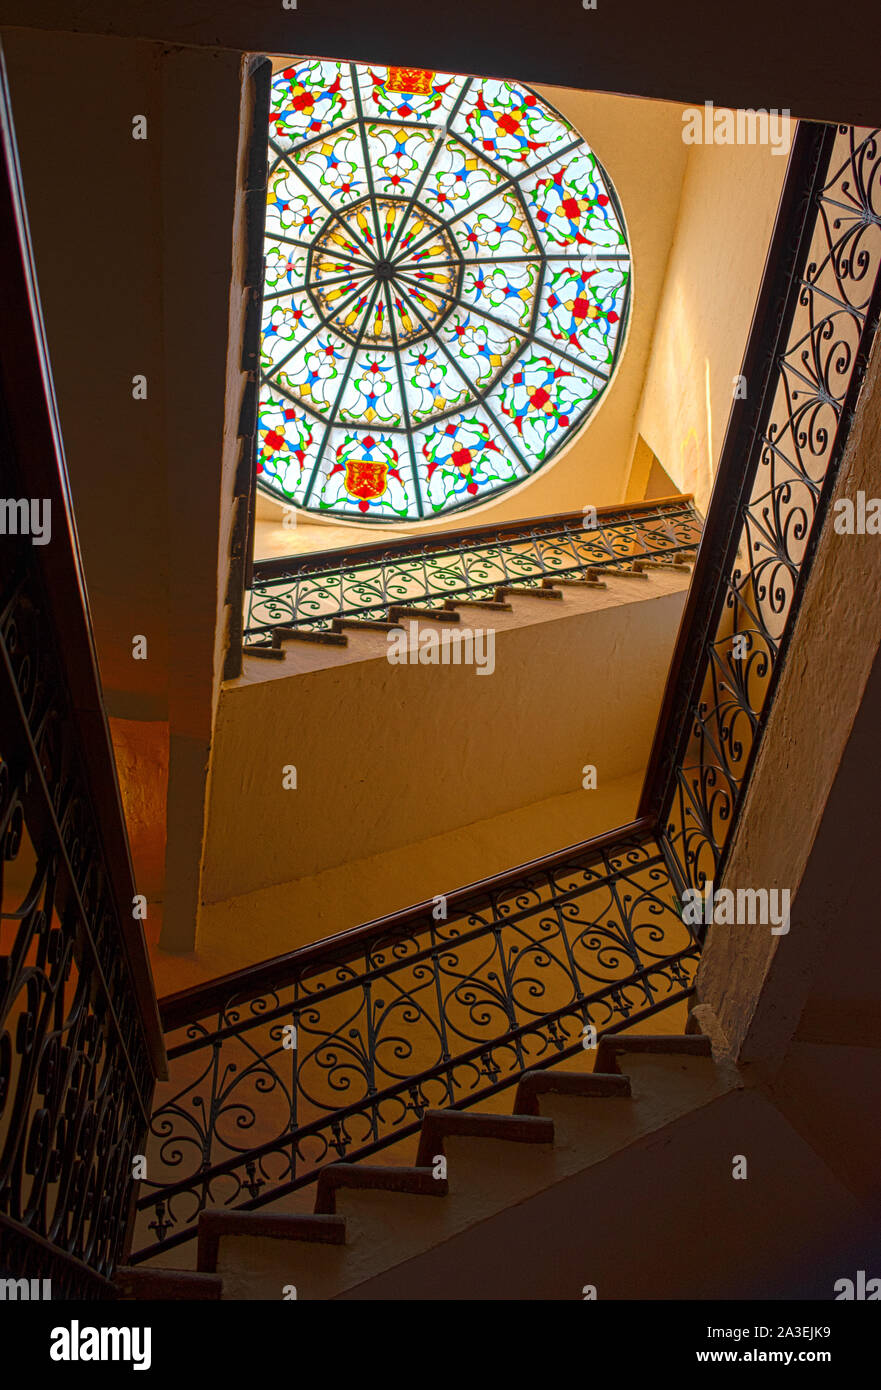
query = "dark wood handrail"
{"x": 197, "y": 1001}
{"x": 807, "y": 165}
{"x": 280, "y": 566}
{"x": 38, "y": 466}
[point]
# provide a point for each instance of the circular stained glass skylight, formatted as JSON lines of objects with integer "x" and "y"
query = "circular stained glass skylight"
{"x": 447, "y": 284}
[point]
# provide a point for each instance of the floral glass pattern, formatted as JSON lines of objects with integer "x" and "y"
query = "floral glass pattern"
{"x": 447, "y": 285}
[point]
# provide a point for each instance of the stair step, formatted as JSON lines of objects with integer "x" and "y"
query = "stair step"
{"x": 366, "y": 624}
{"x": 629, "y": 573}
{"x": 640, "y": 565}
{"x": 302, "y": 634}
{"x": 611, "y": 1048}
{"x": 692, "y": 1026}
{"x": 437, "y": 1125}
{"x": 267, "y": 653}
{"x": 177, "y": 1284}
{"x": 416, "y": 1181}
{"x": 214, "y": 1225}
{"x": 574, "y": 582}
{"x": 535, "y": 1084}
{"x": 525, "y": 591}
{"x": 492, "y": 604}
{"x": 434, "y": 615}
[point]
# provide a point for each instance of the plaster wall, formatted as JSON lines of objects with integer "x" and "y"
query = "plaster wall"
{"x": 729, "y": 200}
{"x": 141, "y": 751}
{"x": 95, "y": 210}
{"x": 754, "y": 57}
{"x": 790, "y": 1226}
{"x": 237, "y": 931}
{"x": 820, "y": 742}
{"x": 134, "y": 248}
{"x": 389, "y": 754}
{"x": 136, "y": 257}
{"x": 791, "y": 1229}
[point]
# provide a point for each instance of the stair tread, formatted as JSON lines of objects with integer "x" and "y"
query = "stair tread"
{"x": 476, "y": 1124}
{"x": 610, "y": 1048}
{"x": 573, "y": 582}
{"x": 436, "y": 615}
{"x": 324, "y": 1229}
{"x": 534, "y": 1084}
{"x": 495, "y": 606}
{"x": 135, "y": 1282}
{"x": 519, "y": 590}
{"x": 641, "y": 565}
{"x": 319, "y": 635}
{"x": 414, "y": 1180}
{"x": 266, "y": 653}
{"x": 365, "y": 625}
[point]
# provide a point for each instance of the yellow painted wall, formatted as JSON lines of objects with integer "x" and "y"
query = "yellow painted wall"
{"x": 137, "y": 262}
{"x": 415, "y": 780}
{"x": 253, "y": 926}
{"x": 388, "y": 754}
{"x": 729, "y": 199}
{"x": 141, "y": 751}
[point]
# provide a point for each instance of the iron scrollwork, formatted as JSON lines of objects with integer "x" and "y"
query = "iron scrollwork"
{"x": 830, "y": 310}
{"x": 75, "y": 1075}
{"x": 430, "y": 1014}
{"x": 424, "y": 1013}
{"x": 310, "y": 592}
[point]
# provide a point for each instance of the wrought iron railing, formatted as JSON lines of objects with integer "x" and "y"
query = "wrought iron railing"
{"x": 335, "y": 1050}
{"x": 366, "y": 581}
{"x": 80, "y": 1042}
{"x": 814, "y": 324}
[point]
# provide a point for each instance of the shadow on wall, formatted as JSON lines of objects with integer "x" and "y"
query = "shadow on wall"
{"x": 141, "y": 749}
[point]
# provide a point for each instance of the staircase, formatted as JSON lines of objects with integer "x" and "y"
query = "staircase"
{"x": 373, "y": 1224}
{"x": 624, "y": 1182}
{"x": 320, "y": 596}
{"x": 621, "y": 1183}
{"x": 499, "y": 600}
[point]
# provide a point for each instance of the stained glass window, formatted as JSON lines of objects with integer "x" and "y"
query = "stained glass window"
{"x": 447, "y": 285}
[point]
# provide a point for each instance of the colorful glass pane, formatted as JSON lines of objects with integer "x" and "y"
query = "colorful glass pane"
{"x": 447, "y": 286}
